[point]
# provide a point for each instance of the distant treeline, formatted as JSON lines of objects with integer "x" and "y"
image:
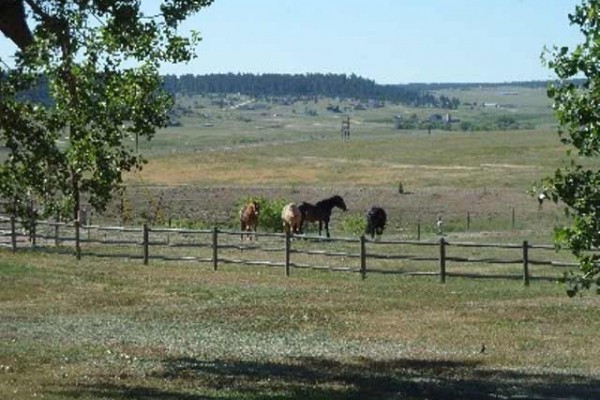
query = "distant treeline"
{"x": 326, "y": 85}
{"x": 471, "y": 85}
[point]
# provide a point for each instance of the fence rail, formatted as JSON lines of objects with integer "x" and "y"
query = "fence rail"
{"x": 211, "y": 246}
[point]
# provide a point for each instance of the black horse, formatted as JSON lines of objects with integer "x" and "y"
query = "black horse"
{"x": 376, "y": 219}
{"x": 320, "y": 212}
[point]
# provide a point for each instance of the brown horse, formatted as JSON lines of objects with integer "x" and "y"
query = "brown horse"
{"x": 249, "y": 218}
{"x": 291, "y": 218}
{"x": 320, "y": 212}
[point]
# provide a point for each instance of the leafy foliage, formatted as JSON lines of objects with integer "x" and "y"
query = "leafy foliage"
{"x": 354, "y": 224}
{"x": 578, "y": 114}
{"x": 100, "y": 59}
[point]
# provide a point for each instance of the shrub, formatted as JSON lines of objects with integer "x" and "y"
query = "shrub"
{"x": 354, "y": 224}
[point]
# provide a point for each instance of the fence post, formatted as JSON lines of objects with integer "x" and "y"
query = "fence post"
{"x": 525, "y": 263}
{"x": 13, "y": 234}
{"x": 442, "y": 260}
{"x": 89, "y": 224}
{"x": 287, "y": 252}
{"x": 56, "y": 228}
{"x": 363, "y": 257}
{"x": 77, "y": 240}
{"x": 215, "y": 244}
{"x": 513, "y": 218}
{"x": 419, "y": 229}
{"x": 468, "y": 220}
{"x": 169, "y": 233}
{"x": 33, "y": 233}
{"x": 146, "y": 243}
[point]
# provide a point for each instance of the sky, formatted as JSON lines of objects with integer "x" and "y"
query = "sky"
{"x": 388, "y": 41}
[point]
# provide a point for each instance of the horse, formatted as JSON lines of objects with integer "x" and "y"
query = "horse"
{"x": 249, "y": 218}
{"x": 376, "y": 219}
{"x": 320, "y": 212}
{"x": 291, "y": 218}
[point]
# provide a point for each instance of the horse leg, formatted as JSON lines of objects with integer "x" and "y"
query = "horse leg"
{"x": 326, "y": 223}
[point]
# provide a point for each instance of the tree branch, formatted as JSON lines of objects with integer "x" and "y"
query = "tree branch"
{"x": 13, "y": 23}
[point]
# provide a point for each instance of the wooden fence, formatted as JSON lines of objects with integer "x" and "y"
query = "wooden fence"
{"x": 358, "y": 255}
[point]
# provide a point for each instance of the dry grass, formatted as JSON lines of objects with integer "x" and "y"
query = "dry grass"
{"x": 505, "y": 159}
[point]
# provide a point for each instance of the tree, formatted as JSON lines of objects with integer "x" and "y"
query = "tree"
{"x": 100, "y": 59}
{"x": 577, "y": 183}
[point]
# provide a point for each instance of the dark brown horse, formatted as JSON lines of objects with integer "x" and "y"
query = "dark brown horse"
{"x": 320, "y": 212}
{"x": 249, "y": 218}
{"x": 376, "y": 219}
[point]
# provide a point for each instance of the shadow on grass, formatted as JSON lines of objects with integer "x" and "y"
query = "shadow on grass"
{"x": 316, "y": 378}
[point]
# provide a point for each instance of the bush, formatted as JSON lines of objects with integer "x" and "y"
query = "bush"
{"x": 354, "y": 224}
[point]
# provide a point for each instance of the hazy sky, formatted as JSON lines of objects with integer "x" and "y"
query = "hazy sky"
{"x": 390, "y": 41}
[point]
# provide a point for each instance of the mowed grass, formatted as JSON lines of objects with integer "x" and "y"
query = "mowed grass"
{"x": 119, "y": 330}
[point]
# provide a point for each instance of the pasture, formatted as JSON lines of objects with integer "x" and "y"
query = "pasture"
{"x": 116, "y": 329}
{"x": 281, "y": 151}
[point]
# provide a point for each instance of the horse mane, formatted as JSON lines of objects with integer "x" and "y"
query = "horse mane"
{"x": 331, "y": 202}
{"x": 249, "y": 210}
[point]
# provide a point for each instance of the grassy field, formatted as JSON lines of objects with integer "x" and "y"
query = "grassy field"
{"x": 115, "y": 329}
{"x": 281, "y": 151}
{"x": 465, "y": 160}
{"x": 118, "y": 330}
